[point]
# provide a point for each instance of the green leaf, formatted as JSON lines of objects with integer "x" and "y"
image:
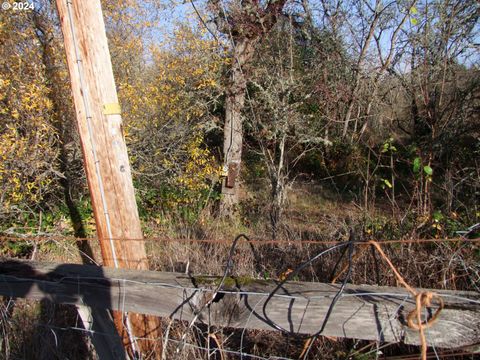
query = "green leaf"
{"x": 413, "y": 10}
{"x": 388, "y": 146}
{"x": 428, "y": 170}
{"x": 414, "y": 21}
{"x": 388, "y": 183}
{"x": 437, "y": 216}
{"x": 416, "y": 164}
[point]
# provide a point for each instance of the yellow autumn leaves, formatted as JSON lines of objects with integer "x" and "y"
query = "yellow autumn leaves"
{"x": 167, "y": 104}
{"x": 200, "y": 169}
{"x": 27, "y": 137}
{"x": 165, "y": 90}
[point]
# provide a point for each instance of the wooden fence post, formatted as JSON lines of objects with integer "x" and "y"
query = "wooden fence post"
{"x": 105, "y": 155}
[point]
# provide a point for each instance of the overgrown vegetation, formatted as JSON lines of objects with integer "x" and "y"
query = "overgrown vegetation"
{"x": 358, "y": 114}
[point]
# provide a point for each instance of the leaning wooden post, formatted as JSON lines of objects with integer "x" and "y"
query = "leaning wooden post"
{"x": 105, "y": 155}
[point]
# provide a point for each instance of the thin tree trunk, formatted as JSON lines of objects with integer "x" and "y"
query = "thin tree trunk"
{"x": 358, "y": 74}
{"x": 278, "y": 188}
{"x": 278, "y": 201}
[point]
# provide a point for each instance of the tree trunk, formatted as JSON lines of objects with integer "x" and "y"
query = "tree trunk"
{"x": 278, "y": 202}
{"x": 358, "y": 73}
{"x": 245, "y": 24}
{"x": 233, "y": 129}
{"x": 278, "y": 179}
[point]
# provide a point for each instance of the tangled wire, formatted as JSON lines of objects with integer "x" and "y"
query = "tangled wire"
{"x": 414, "y": 321}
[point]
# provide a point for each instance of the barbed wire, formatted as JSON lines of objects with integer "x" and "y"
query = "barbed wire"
{"x": 228, "y": 242}
{"x": 176, "y": 341}
{"x": 229, "y": 264}
{"x": 404, "y": 296}
{"x": 444, "y": 353}
{"x": 226, "y": 272}
{"x": 295, "y": 272}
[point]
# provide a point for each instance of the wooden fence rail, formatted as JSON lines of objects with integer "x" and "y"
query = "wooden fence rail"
{"x": 363, "y": 312}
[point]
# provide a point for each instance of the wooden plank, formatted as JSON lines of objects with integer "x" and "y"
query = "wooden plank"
{"x": 107, "y": 343}
{"x": 364, "y": 312}
{"x": 105, "y": 153}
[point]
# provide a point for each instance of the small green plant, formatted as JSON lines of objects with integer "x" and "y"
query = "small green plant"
{"x": 388, "y": 146}
{"x": 417, "y": 166}
{"x": 17, "y": 248}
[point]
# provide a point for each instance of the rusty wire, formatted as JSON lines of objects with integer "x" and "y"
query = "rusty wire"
{"x": 41, "y": 238}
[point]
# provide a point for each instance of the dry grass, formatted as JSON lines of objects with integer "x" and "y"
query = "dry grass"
{"x": 26, "y": 333}
{"x": 310, "y": 215}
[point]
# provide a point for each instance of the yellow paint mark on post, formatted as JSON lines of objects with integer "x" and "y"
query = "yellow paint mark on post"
{"x": 112, "y": 109}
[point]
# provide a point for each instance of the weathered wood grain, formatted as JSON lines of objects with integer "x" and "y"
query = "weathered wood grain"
{"x": 104, "y": 150}
{"x": 363, "y": 312}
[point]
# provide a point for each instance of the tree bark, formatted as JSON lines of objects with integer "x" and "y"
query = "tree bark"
{"x": 244, "y": 30}
{"x": 233, "y": 128}
{"x": 278, "y": 180}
